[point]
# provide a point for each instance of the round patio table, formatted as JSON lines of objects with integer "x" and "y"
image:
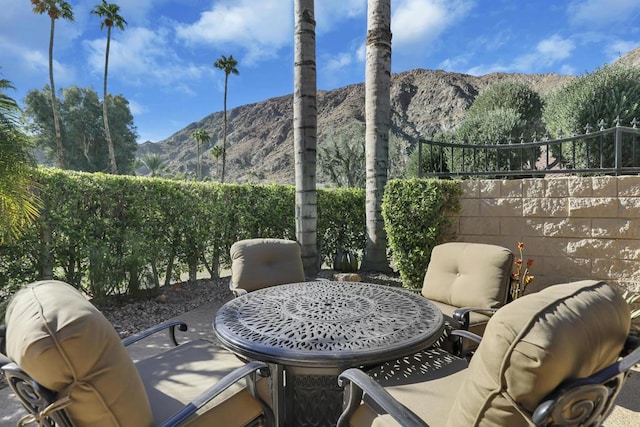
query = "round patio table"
{"x": 309, "y": 332}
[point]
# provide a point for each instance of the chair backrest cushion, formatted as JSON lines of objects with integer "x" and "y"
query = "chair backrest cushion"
{"x": 64, "y": 343}
{"x": 535, "y": 343}
{"x": 468, "y": 274}
{"x": 259, "y": 263}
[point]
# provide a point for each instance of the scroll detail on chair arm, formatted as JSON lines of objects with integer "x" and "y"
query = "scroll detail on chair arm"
{"x": 236, "y": 375}
{"x": 171, "y": 325}
{"x": 462, "y": 314}
{"x": 359, "y": 382}
{"x": 586, "y": 401}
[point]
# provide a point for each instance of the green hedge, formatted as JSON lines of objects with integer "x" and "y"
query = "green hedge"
{"x": 111, "y": 235}
{"x": 417, "y": 215}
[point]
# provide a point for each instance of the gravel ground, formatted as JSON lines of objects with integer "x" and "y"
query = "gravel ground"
{"x": 129, "y": 317}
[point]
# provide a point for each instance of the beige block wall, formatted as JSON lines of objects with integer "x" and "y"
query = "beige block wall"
{"x": 573, "y": 228}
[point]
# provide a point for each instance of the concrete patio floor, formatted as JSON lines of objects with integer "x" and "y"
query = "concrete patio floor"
{"x": 625, "y": 413}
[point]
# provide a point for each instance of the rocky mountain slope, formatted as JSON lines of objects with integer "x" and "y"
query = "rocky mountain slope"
{"x": 260, "y": 137}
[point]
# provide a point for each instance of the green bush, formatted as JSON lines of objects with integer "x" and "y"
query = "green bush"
{"x": 608, "y": 93}
{"x": 109, "y": 234}
{"x": 417, "y": 215}
{"x": 341, "y": 222}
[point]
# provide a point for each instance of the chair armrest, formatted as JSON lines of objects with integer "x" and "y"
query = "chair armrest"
{"x": 466, "y": 334}
{"x": 233, "y": 377}
{"x": 171, "y": 325}
{"x": 462, "y": 314}
{"x": 359, "y": 382}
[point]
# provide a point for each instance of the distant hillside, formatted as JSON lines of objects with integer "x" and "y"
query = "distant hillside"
{"x": 260, "y": 135}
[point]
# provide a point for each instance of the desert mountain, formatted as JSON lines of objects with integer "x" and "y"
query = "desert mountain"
{"x": 260, "y": 137}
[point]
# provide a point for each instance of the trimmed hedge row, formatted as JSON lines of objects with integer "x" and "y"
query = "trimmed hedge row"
{"x": 109, "y": 234}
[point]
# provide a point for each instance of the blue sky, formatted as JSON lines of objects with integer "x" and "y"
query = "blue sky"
{"x": 163, "y": 61}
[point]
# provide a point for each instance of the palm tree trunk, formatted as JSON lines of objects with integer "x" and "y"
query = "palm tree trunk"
{"x": 54, "y": 101}
{"x": 378, "y": 120}
{"x": 107, "y": 132}
{"x": 224, "y": 131}
{"x": 304, "y": 134}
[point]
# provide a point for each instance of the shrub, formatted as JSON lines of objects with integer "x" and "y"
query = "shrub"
{"x": 417, "y": 215}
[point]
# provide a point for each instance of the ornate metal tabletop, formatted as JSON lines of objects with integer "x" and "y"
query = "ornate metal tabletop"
{"x": 328, "y": 324}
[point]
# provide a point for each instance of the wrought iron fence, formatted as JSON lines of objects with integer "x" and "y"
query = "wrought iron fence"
{"x": 612, "y": 151}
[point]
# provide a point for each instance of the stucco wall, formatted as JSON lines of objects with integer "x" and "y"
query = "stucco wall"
{"x": 573, "y": 228}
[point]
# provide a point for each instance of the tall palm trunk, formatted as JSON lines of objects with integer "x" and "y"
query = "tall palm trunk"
{"x": 54, "y": 101}
{"x": 112, "y": 154}
{"x": 304, "y": 134}
{"x": 224, "y": 131}
{"x": 378, "y": 120}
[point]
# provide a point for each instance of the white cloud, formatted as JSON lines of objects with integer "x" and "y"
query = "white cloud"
{"x": 136, "y": 108}
{"x": 602, "y": 13}
{"x": 259, "y": 28}
{"x": 455, "y": 63}
{"x": 620, "y": 48}
{"x": 142, "y": 56}
{"x": 548, "y": 52}
{"x": 422, "y": 21}
{"x": 555, "y": 48}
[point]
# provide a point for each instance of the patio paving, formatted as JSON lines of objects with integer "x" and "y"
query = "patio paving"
{"x": 625, "y": 413}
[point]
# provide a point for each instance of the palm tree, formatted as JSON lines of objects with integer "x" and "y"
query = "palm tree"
{"x": 55, "y": 9}
{"x": 201, "y": 136}
{"x": 378, "y": 120}
{"x": 109, "y": 13}
{"x": 228, "y": 65}
{"x": 305, "y": 133}
{"x": 153, "y": 162}
{"x": 18, "y": 205}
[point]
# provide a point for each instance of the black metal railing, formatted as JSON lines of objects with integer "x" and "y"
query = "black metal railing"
{"x": 612, "y": 151}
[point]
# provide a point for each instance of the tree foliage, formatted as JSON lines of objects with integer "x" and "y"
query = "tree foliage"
{"x": 56, "y": 9}
{"x": 606, "y": 94}
{"x": 504, "y": 112}
{"x": 81, "y": 124}
{"x": 341, "y": 157}
{"x": 18, "y": 206}
{"x": 201, "y": 136}
{"x": 110, "y": 18}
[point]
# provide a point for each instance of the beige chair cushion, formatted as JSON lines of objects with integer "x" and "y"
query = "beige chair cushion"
{"x": 468, "y": 275}
{"x": 175, "y": 377}
{"x": 426, "y": 383}
{"x": 64, "y": 343}
{"x": 259, "y": 263}
{"x": 533, "y": 344}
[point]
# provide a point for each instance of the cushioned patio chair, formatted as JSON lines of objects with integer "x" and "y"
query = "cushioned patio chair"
{"x": 260, "y": 263}
{"x": 549, "y": 358}
{"x": 69, "y": 367}
{"x": 473, "y": 276}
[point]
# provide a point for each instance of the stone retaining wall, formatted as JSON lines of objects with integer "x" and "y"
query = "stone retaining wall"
{"x": 573, "y": 228}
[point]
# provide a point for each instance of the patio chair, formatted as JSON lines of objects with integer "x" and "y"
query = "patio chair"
{"x": 69, "y": 367}
{"x": 260, "y": 263}
{"x": 557, "y": 357}
{"x": 472, "y": 276}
